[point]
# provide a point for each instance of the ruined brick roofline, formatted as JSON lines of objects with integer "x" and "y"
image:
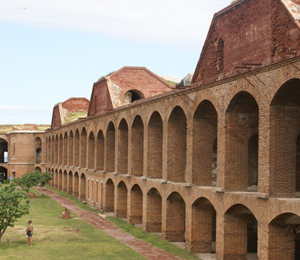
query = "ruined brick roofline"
{"x": 184, "y": 92}
{"x": 132, "y": 68}
{"x": 254, "y": 42}
{"x": 125, "y": 86}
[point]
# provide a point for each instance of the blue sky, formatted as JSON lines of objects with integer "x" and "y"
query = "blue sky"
{"x": 51, "y": 50}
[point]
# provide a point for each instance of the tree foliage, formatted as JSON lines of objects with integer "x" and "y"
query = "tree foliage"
{"x": 31, "y": 179}
{"x": 14, "y": 203}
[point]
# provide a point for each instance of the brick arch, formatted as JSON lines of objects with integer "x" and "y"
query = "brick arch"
{"x": 155, "y": 145}
{"x": 137, "y": 146}
{"x": 207, "y": 94}
{"x": 60, "y": 179}
{"x": 71, "y": 147}
{"x": 176, "y": 145}
{"x": 56, "y": 149}
{"x": 121, "y": 205}
{"x": 91, "y": 150}
{"x": 228, "y": 204}
{"x": 76, "y": 185}
{"x": 136, "y": 205}
{"x": 153, "y": 218}
{"x": 70, "y": 183}
{"x": 240, "y": 231}
{"x": 82, "y": 187}
{"x": 60, "y": 149}
{"x": 65, "y": 148}
{"x": 174, "y": 230}
{"x": 235, "y": 89}
{"x": 110, "y": 136}
{"x": 203, "y": 227}
{"x": 284, "y": 162}
{"x": 283, "y": 237}
{"x": 205, "y": 130}
{"x": 122, "y": 137}
{"x": 280, "y": 209}
{"x": 76, "y": 147}
{"x": 278, "y": 83}
{"x": 100, "y": 150}
{"x": 83, "y": 147}
{"x": 241, "y": 156}
{"x": 64, "y": 181}
{"x": 109, "y": 195}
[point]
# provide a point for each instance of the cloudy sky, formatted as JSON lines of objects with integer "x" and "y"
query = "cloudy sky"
{"x": 51, "y": 50}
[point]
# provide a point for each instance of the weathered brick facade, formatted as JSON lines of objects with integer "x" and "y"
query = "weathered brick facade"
{"x": 216, "y": 166}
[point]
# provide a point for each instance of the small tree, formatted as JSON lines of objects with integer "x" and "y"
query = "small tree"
{"x": 28, "y": 180}
{"x": 46, "y": 177}
{"x": 14, "y": 203}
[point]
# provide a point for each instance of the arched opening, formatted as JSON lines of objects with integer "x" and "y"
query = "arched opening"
{"x": 76, "y": 150}
{"x": 60, "y": 150}
{"x": 56, "y": 179}
{"x": 123, "y": 147}
{"x": 65, "y": 161}
{"x": 52, "y": 150}
{"x": 137, "y": 147}
{"x": 175, "y": 219}
{"x": 76, "y": 185}
{"x": 38, "y": 150}
{"x": 284, "y": 132}
{"x": 38, "y": 155}
{"x": 155, "y": 142}
{"x": 70, "y": 183}
{"x": 154, "y": 211}
{"x": 64, "y": 184}
{"x": 241, "y": 124}
{"x": 284, "y": 237}
{"x": 82, "y": 191}
{"x": 91, "y": 151}
{"x": 203, "y": 235}
{"x": 3, "y": 174}
{"x": 38, "y": 169}
{"x": 100, "y": 151}
{"x": 71, "y": 140}
{"x": 121, "y": 207}
{"x": 110, "y": 147}
{"x": 56, "y": 150}
{"x": 132, "y": 95}
{"x": 205, "y": 123}
{"x": 60, "y": 180}
{"x": 136, "y": 205}
{"x": 83, "y": 148}
{"x": 177, "y": 145}
{"x": 109, "y": 196}
{"x": 240, "y": 233}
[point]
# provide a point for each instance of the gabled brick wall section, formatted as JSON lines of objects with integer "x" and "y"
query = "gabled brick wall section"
{"x": 108, "y": 93}
{"x": 237, "y": 39}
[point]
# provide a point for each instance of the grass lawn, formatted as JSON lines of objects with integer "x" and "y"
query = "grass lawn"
{"x": 137, "y": 232}
{"x": 54, "y": 237}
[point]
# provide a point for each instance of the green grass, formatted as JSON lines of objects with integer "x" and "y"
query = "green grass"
{"x": 9, "y": 128}
{"x": 54, "y": 237}
{"x": 74, "y": 116}
{"x": 137, "y": 232}
{"x": 152, "y": 239}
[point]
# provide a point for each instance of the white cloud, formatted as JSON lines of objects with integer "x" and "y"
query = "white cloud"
{"x": 161, "y": 21}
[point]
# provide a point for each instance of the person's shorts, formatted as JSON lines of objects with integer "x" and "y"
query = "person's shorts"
{"x": 30, "y": 235}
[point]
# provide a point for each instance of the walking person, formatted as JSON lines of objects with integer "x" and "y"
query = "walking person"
{"x": 29, "y": 232}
